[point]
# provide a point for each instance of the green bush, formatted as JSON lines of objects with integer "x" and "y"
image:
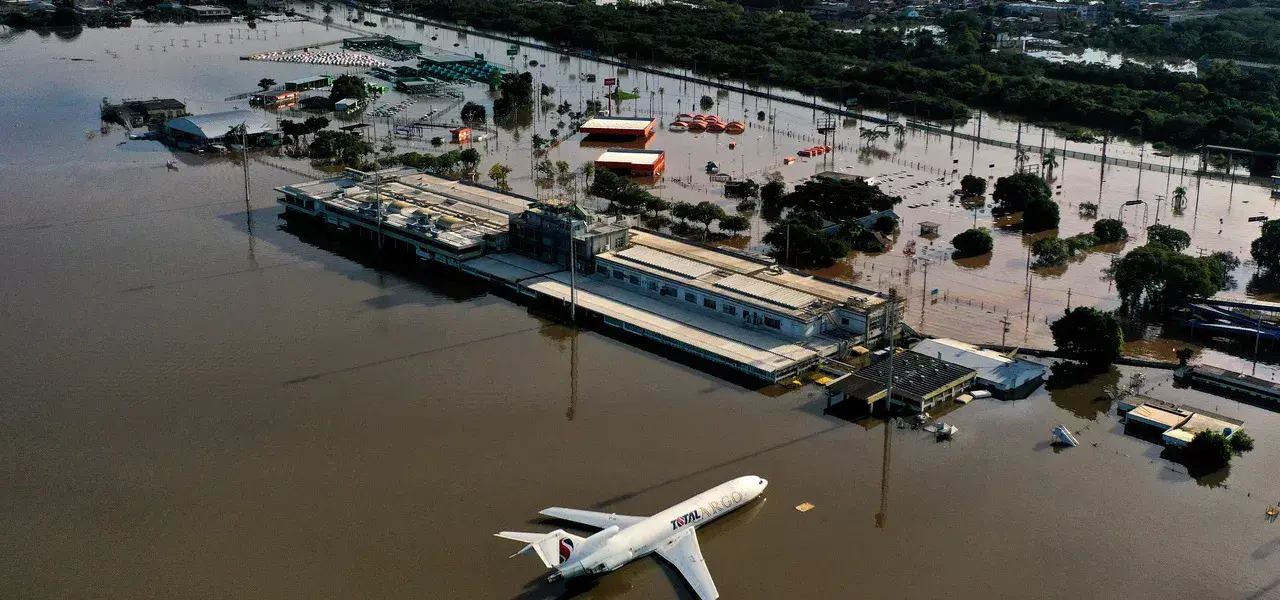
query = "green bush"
{"x": 1241, "y": 442}
{"x": 973, "y": 242}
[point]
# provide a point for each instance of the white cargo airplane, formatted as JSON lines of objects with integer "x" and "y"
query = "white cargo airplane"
{"x": 623, "y": 538}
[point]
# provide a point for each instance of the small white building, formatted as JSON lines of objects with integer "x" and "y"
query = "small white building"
{"x": 346, "y": 104}
{"x": 1006, "y": 377}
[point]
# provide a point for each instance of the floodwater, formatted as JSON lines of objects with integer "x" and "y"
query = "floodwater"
{"x": 973, "y": 298}
{"x": 200, "y": 403}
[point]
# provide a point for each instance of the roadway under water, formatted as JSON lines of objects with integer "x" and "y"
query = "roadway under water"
{"x": 200, "y": 403}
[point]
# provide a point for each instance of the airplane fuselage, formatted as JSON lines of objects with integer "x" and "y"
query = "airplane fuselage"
{"x": 612, "y": 548}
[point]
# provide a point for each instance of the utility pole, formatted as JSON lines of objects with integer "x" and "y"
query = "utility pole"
{"x": 573, "y": 279}
{"x": 1257, "y": 336}
{"x": 1004, "y": 330}
{"x": 893, "y": 337}
{"x": 1068, "y": 298}
{"x": 377, "y": 197}
{"x": 1030, "y": 277}
{"x": 924, "y": 288}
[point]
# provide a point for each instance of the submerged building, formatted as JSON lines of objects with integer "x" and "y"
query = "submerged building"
{"x": 198, "y": 131}
{"x": 729, "y": 308}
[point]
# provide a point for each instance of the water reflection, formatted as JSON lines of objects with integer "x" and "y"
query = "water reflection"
{"x": 1086, "y": 400}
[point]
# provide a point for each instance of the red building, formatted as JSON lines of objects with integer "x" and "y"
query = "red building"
{"x": 275, "y": 99}
{"x": 644, "y": 163}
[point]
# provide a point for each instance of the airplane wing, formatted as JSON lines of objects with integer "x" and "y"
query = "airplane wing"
{"x": 591, "y": 518}
{"x": 683, "y": 552}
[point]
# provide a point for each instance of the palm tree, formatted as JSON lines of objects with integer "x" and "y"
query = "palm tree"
{"x": 1179, "y": 199}
{"x": 1021, "y": 159}
{"x": 1049, "y": 162}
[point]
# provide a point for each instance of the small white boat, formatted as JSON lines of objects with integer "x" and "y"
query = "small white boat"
{"x": 1063, "y": 435}
{"x": 943, "y": 431}
{"x": 980, "y": 394}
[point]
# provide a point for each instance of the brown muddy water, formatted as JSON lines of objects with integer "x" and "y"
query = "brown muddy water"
{"x": 199, "y": 403}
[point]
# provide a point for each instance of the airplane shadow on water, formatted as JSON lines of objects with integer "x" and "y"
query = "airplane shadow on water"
{"x": 620, "y": 582}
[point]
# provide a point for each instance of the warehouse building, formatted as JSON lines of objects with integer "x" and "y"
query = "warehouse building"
{"x": 198, "y": 131}
{"x": 1006, "y": 377}
{"x": 209, "y": 14}
{"x": 619, "y": 127}
{"x": 640, "y": 163}
{"x": 920, "y": 383}
{"x": 308, "y": 83}
{"x": 747, "y": 292}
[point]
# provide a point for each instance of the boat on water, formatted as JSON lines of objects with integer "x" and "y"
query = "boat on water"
{"x": 943, "y": 431}
{"x": 678, "y": 126}
{"x": 712, "y": 167}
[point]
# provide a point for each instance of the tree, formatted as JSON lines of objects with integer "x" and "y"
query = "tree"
{"x": 1050, "y": 252}
{"x": 1039, "y": 215}
{"x": 683, "y": 211}
{"x": 706, "y": 213}
{"x": 771, "y": 194}
{"x": 655, "y": 205}
{"x": 499, "y": 173}
{"x": 1241, "y": 442}
{"x": 608, "y": 184}
{"x": 265, "y": 83}
{"x": 885, "y": 224}
{"x": 1088, "y": 336}
{"x": 1155, "y": 277}
{"x": 1179, "y": 199}
{"x": 745, "y": 188}
{"x": 342, "y": 146}
{"x": 798, "y": 244}
{"x": 735, "y": 223}
{"x": 972, "y": 185}
{"x": 973, "y": 242}
{"x": 1109, "y": 231}
{"x": 470, "y": 159}
{"x": 1174, "y": 239}
{"x": 1013, "y": 192}
{"x": 1184, "y": 355}
{"x": 632, "y": 199}
{"x": 1208, "y": 451}
{"x": 473, "y": 113}
{"x": 349, "y": 86}
{"x": 1266, "y": 249}
{"x": 1049, "y": 162}
{"x": 447, "y": 162}
{"x": 706, "y": 103}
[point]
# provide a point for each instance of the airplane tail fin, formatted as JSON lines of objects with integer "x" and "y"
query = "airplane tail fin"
{"x": 552, "y": 548}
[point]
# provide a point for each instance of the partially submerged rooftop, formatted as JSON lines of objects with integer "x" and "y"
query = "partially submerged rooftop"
{"x": 460, "y": 214}
{"x": 759, "y": 268}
